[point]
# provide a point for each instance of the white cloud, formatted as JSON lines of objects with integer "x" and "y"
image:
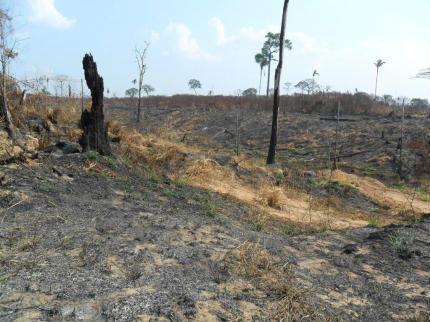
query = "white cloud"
{"x": 247, "y": 33}
{"x": 44, "y": 11}
{"x": 301, "y": 42}
{"x": 253, "y": 34}
{"x": 307, "y": 44}
{"x": 217, "y": 23}
{"x": 188, "y": 45}
{"x": 154, "y": 37}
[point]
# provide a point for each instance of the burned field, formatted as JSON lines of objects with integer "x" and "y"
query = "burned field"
{"x": 150, "y": 249}
{"x": 367, "y": 145}
{"x": 287, "y": 202}
{"x": 185, "y": 221}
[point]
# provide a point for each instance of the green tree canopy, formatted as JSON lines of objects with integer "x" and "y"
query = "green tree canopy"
{"x": 148, "y": 89}
{"x": 194, "y": 84}
{"x": 131, "y": 92}
{"x": 272, "y": 43}
{"x": 249, "y": 92}
{"x": 270, "y": 47}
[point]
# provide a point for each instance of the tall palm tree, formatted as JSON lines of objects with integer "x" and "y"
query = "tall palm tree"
{"x": 270, "y": 48}
{"x": 261, "y": 59}
{"x": 314, "y": 74}
{"x": 378, "y": 65}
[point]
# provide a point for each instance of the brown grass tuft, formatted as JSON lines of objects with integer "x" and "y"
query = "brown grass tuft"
{"x": 250, "y": 260}
{"x": 44, "y": 142}
{"x": 157, "y": 153}
{"x": 272, "y": 197}
{"x": 287, "y": 299}
{"x": 204, "y": 169}
{"x": 114, "y": 128}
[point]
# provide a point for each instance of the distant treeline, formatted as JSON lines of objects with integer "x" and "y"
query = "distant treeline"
{"x": 326, "y": 103}
{"x": 322, "y": 103}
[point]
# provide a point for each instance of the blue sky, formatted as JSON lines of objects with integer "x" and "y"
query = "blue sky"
{"x": 215, "y": 41}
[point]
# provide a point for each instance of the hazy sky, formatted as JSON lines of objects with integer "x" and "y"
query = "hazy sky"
{"x": 215, "y": 41}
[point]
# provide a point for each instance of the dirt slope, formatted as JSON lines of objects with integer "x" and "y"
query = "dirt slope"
{"x": 84, "y": 240}
{"x": 377, "y": 191}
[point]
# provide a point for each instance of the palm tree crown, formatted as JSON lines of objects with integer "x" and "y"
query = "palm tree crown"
{"x": 261, "y": 59}
{"x": 379, "y": 63}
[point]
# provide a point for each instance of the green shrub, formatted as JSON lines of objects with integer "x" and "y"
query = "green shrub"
{"x": 211, "y": 209}
{"x": 111, "y": 162}
{"x": 373, "y": 222}
{"x": 169, "y": 192}
{"x": 181, "y": 182}
{"x": 312, "y": 181}
{"x": 279, "y": 177}
{"x": 91, "y": 155}
{"x": 153, "y": 176}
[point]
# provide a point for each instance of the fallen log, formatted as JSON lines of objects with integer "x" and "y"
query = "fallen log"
{"x": 334, "y": 119}
{"x": 349, "y": 155}
{"x": 20, "y": 158}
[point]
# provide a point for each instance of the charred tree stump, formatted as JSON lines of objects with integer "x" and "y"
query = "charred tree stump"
{"x": 94, "y": 135}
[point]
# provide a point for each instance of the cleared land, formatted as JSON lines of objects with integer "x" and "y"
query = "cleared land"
{"x": 176, "y": 226}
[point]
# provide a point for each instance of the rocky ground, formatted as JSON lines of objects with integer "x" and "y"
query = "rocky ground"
{"x": 82, "y": 238}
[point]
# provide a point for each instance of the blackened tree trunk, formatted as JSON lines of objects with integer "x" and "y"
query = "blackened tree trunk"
{"x": 276, "y": 98}
{"x": 94, "y": 135}
{"x": 6, "y": 118}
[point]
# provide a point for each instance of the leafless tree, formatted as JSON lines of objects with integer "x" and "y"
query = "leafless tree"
{"x": 400, "y": 145}
{"x": 61, "y": 80}
{"x": 140, "y": 60}
{"x": 287, "y": 87}
{"x": 7, "y": 53}
{"x": 425, "y": 74}
{"x": 336, "y": 154}
{"x": 276, "y": 96}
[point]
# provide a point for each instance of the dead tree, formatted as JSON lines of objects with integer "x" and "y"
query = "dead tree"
{"x": 7, "y": 53}
{"x": 140, "y": 60}
{"x": 336, "y": 155}
{"x": 400, "y": 144}
{"x": 94, "y": 136}
{"x": 274, "y": 135}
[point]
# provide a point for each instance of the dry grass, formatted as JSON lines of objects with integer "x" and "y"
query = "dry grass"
{"x": 258, "y": 218}
{"x": 115, "y": 128}
{"x": 250, "y": 260}
{"x": 94, "y": 167}
{"x": 139, "y": 149}
{"x": 27, "y": 244}
{"x": 247, "y": 163}
{"x": 61, "y": 112}
{"x": 5, "y": 145}
{"x": 271, "y": 197}
{"x": 44, "y": 142}
{"x": 202, "y": 170}
{"x": 287, "y": 298}
{"x": 317, "y": 103}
